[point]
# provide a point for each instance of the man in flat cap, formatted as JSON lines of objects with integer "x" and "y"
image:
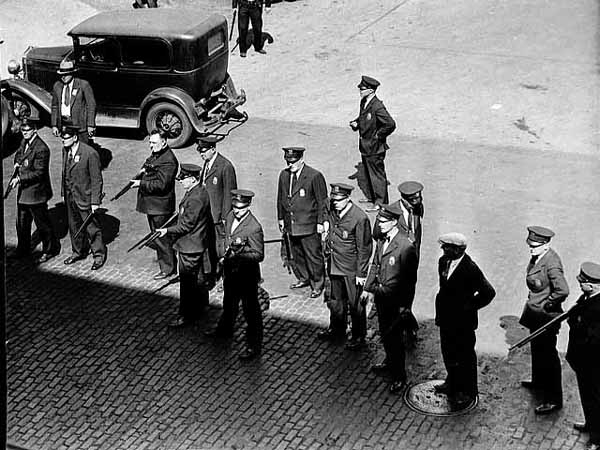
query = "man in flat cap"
{"x": 244, "y": 240}
{"x": 584, "y": 348}
{"x": 82, "y": 190}
{"x": 219, "y": 179}
{"x": 156, "y": 197}
{"x": 302, "y": 213}
{"x": 374, "y": 124}
{"x": 32, "y": 161}
{"x": 463, "y": 291}
{"x": 194, "y": 236}
{"x": 391, "y": 284}
{"x": 349, "y": 245}
{"x": 547, "y": 290}
{"x": 73, "y": 103}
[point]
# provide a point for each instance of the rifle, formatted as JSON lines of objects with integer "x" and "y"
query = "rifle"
{"x": 232, "y": 24}
{"x": 88, "y": 219}
{"x": 14, "y": 175}
{"x": 558, "y": 319}
{"x": 173, "y": 280}
{"x": 287, "y": 249}
{"x": 129, "y": 185}
{"x": 152, "y": 236}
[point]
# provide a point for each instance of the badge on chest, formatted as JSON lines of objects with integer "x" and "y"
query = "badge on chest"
{"x": 215, "y": 181}
{"x": 302, "y": 193}
{"x": 392, "y": 261}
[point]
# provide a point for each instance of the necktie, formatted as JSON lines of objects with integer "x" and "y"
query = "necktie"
{"x": 533, "y": 260}
{"x": 293, "y": 181}
{"x": 411, "y": 221}
{"x": 67, "y": 95}
{"x": 203, "y": 178}
{"x": 446, "y": 268}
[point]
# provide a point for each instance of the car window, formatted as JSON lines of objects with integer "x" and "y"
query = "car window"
{"x": 145, "y": 53}
{"x": 216, "y": 42}
{"x": 97, "y": 51}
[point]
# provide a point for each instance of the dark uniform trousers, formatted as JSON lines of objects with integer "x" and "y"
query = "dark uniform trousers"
{"x": 162, "y": 245}
{"x": 26, "y": 214}
{"x": 458, "y": 351}
{"x": 193, "y": 285}
{"x": 546, "y": 371}
{"x": 589, "y": 392}
{"x": 90, "y": 237}
{"x": 340, "y": 303}
{"x": 250, "y": 12}
{"x": 309, "y": 265}
{"x": 391, "y": 330}
{"x": 376, "y": 177}
{"x": 235, "y": 290}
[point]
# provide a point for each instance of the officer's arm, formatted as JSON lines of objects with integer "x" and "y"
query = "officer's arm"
{"x": 320, "y": 190}
{"x": 37, "y": 169}
{"x": 559, "y": 287}
{"x": 255, "y": 248}
{"x": 90, "y": 101}
{"x": 280, "y": 198}
{"x": 387, "y": 125}
{"x": 364, "y": 246}
{"x": 55, "y": 108}
{"x": 483, "y": 291}
{"x": 229, "y": 183}
{"x": 95, "y": 176}
{"x": 161, "y": 181}
{"x": 188, "y": 220}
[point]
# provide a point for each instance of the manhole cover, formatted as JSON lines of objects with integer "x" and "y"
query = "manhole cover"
{"x": 423, "y": 399}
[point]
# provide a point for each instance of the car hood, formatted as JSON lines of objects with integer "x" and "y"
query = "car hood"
{"x": 49, "y": 54}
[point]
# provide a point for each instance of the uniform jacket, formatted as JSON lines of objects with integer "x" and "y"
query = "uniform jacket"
{"x": 236, "y": 3}
{"x": 83, "y": 105}
{"x": 220, "y": 180}
{"x": 584, "y": 334}
{"x": 350, "y": 243}
{"x": 34, "y": 172}
{"x": 195, "y": 230}
{"x": 246, "y": 263}
{"x": 546, "y": 283}
{"x": 82, "y": 176}
{"x": 460, "y": 296}
{"x": 393, "y": 274}
{"x": 307, "y": 206}
{"x": 156, "y": 193}
{"x": 374, "y": 126}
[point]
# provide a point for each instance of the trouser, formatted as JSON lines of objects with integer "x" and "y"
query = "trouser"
{"x": 460, "y": 359}
{"x": 26, "y": 214}
{"x": 340, "y": 303}
{"x": 588, "y": 381}
{"x": 390, "y": 329}
{"x": 220, "y": 235}
{"x": 193, "y": 285}
{"x": 163, "y": 245}
{"x": 234, "y": 290}
{"x": 309, "y": 264}
{"x": 376, "y": 178}
{"x": 250, "y": 13}
{"x": 90, "y": 237}
{"x": 546, "y": 372}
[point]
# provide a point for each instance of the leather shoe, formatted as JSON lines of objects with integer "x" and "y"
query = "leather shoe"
{"x": 161, "y": 275}
{"x": 45, "y": 257}
{"x": 547, "y": 408}
{"x": 442, "y": 388}
{"x": 397, "y": 387}
{"x": 262, "y": 51}
{"x": 460, "y": 401}
{"x": 316, "y": 293}
{"x": 97, "y": 264}
{"x": 356, "y": 344}
{"x": 180, "y": 322}
{"x": 249, "y": 353}
{"x": 328, "y": 335}
{"x": 243, "y": 54}
{"x": 592, "y": 446}
{"x": 527, "y": 384}
{"x": 299, "y": 284}
{"x": 380, "y": 368}
{"x": 581, "y": 427}
{"x": 73, "y": 259}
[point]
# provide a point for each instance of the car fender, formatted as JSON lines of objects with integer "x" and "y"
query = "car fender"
{"x": 177, "y": 97}
{"x": 40, "y": 98}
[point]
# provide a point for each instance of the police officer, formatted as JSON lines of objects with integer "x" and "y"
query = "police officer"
{"x": 584, "y": 348}
{"x": 156, "y": 196}
{"x": 82, "y": 190}
{"x": 391, "y": 284}
{"x": 374, "y": 124}
{"x": 349, "y": 246}
{"x": 219, "y": 179}
{"x": 34, "y": 190}
{"x": 302, "y": 213}
{"x": 250, "y": 11}
{"x": 195, "y": 243}
{"x": 241, "y": 272}
{"x": 547, "y": 290}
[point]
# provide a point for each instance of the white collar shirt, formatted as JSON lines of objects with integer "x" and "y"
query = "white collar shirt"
{"x": 65, "y": 107}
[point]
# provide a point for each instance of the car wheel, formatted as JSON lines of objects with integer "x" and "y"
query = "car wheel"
{"x": 172, "y": 120}
{"x": 20, "y": 107}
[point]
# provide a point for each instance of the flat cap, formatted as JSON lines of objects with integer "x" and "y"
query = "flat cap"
{"x": 456, "y": 239}
{"x": 293, "y": 153}
{"x": 389, "y": 212}
{"x": 340, "y": 191}
{"x": 68, "y": 131}
{"x": 368, "y": 82}
{"x": 206, "y": 142}
{"x": 589, "y": 273}
{"x": 189, "y": 170}
{"x": 241, "y": 197}
{"x": 410, "y": 188}
{"x": 539, "y": 235}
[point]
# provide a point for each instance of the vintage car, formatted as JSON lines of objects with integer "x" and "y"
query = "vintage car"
{"x": 162, "y": 68}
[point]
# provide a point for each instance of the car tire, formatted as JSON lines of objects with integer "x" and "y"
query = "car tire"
{"x": 171, "y": 119}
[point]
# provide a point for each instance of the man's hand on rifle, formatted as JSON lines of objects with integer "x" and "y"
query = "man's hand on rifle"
{"x": 91, "y": 131}
{"x": 55, "y": 131}
{"x": 135, "y": 184}
{"x": 366, "y": 297}
{"x": 323, "y": 230}
{"x": 281, "y": 225}
{"x": 161, "y": 232}
{"x": 360, "y": 281}
{"x": 13, "y": 183}
{"x": 95, "y": 208}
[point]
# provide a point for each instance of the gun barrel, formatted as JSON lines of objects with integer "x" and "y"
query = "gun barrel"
{"x": 541, "y": 330}
{"x": 122, "y": 191}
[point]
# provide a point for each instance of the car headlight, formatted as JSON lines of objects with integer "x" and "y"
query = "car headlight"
{"x": 14, "y": 67}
